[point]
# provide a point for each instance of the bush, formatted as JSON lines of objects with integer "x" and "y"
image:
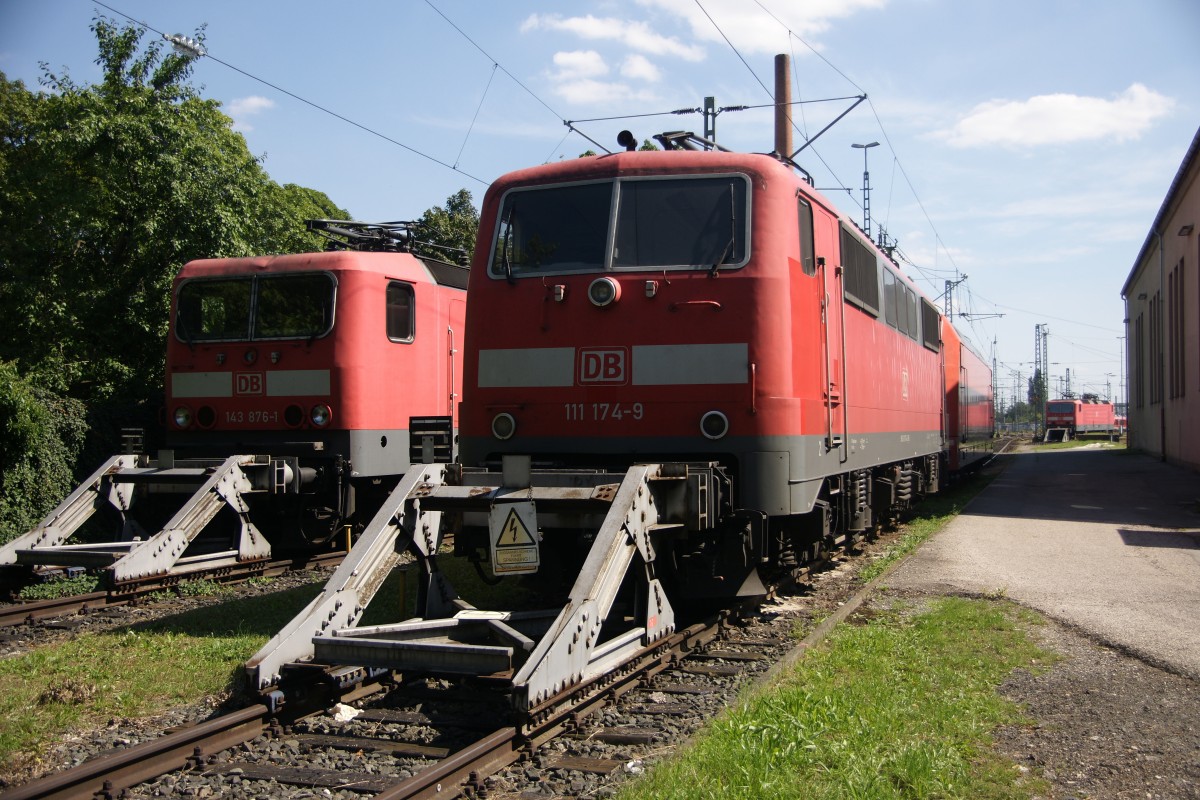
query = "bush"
{"x": 41, "y": 437}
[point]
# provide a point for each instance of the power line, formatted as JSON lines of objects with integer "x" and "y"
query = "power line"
{"x": 293, "y": 95}
{"x": 494, "y": 61}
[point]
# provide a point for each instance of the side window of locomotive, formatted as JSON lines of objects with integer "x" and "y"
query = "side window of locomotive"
{"x": 861, "y": 274}
{"x": 931, "y": 335}
{"x": 553, "y": 229}
{"x": 889, "y": 298}
{"x": 808, "y": 258}
{"x": 213, "y": 310}
{"x": 910, "y": 298}
{"x": 681, "y": 222}
{"x": 294, "y": 306}
{"x": 401, "y": 312}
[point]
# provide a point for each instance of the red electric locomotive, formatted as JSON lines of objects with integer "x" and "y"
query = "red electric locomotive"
{"x": 685, "y": 375}
{"x": 684, "y": 306}
{"x": 321, "y": 360}
{"x": 299, "y": 389}
{"x": 1066, "y": 419}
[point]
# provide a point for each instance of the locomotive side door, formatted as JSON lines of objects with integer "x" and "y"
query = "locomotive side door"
{"x": 833, "y": 323}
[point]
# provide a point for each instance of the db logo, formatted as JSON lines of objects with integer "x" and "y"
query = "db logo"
{"x": 248, "y": 383}
{"x": 602, "y": 366}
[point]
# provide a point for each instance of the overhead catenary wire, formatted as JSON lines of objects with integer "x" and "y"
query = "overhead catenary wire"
{"x": 897, "y": 162}
{"x": 207, "y": 54}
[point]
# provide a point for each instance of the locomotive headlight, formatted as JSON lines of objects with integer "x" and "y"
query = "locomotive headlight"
{"x": 503, "y": 426}
{"x": 320, "y": 415}
{"x": 206, "y": 417}
{"x": 714, "y": 425}
{"x": 183, "y": 416}
{"x": 603, "y": 292}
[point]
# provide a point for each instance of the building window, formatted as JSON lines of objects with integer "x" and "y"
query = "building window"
{"x": 1175, "y": 351}
{"x": 1139, "y": 351}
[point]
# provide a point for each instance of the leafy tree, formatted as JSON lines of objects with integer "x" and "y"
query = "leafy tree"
{"x": 106, "y": 191}
{"x": 451, "y": 230}
{"x": 41, "y": 435}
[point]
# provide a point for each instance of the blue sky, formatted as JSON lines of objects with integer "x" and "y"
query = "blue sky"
{"x": 1025, "y": 144}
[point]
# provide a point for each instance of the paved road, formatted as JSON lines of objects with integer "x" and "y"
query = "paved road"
{"x": 1107, "y": 540}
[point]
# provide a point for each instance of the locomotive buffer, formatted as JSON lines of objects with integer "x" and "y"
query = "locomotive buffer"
{"x": 616, "y": 608}
{"x": 209, "y": 487}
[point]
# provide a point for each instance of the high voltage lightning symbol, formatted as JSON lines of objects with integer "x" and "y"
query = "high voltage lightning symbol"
{"x": 514, "y": 528}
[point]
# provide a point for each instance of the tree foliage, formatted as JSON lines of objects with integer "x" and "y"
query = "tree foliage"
{"x": 106, "y": 191}
{"x": 451, "y": 230}
{"x": 41, "y": 435}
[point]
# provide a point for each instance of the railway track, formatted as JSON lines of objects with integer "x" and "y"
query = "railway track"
{"x": 383, "y": 736}
{"x": 31, "y": 612}
{"x": 408, "y": 737}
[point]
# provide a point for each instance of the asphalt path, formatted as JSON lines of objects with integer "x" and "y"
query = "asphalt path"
{"x": 1106, "y": 540}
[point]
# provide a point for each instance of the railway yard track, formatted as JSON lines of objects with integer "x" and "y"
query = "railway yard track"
{"x": 371, "y": 733}
{"x": 31, "y": 612}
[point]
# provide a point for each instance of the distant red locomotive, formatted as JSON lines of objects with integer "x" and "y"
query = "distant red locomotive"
{"x": 320, "y": 360}
{"x": 686, "y": 306}
{"x": 1074, "y": 417}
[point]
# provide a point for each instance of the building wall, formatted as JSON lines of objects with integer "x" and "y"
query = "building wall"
{"x": 1162, "y": 325}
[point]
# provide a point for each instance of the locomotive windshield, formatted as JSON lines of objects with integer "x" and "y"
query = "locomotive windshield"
{"x": 1060, "y": 408}
{"x": 643, "y": 223}
{"x": 294, "y": 306}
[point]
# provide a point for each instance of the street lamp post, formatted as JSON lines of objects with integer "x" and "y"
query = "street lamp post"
{"x": 866, "y": 186}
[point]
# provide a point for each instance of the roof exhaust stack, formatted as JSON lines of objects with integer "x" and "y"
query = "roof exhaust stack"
{"x": 783, "y": 108}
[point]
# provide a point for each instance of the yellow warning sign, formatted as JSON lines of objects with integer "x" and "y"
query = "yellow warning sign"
{"x": 513, "y": 538}
{"x": 514, "y": 533}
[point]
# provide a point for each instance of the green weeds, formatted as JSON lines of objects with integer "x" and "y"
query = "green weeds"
{"x": 61, "y": 587}
{"x": 900, "y": 707}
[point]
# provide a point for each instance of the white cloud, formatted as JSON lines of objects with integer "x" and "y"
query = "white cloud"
{"x": 1059, "y": 119}
{"x": 244, "y": 107}
{"x": 586, "y": 91}
{"x": 634, "y": 35}
{"x": 638, "y": 67}
{"x": 753, "y": 29}
{"x": 580, "y": 64}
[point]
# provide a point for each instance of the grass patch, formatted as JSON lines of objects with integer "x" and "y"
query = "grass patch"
{"x": 135, "y": 671}
{"x": 1105, "y": 444}
{"x": 900, "y": 707}
{"x": 61, "y": 587}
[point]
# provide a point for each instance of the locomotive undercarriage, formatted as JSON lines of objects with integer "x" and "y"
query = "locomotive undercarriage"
{"x": 618, "y": 560}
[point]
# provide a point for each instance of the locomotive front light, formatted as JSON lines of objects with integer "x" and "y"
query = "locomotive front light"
{"x": 183, "y": 417}
{"x": 503, "y": 426}
{"x": 321, "y": 415}
{"x": 293, "y": 416}
{"x": 206, "y": 417}
{"x": 714, "y": 425}
{"x": 603, "y": 292}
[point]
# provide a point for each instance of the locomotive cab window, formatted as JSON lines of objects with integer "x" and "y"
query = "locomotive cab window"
{"x": 684, "y": 222}
{"x": 401, "y": 312}
{"x": 214, "y": 310}
{"x": 555, "y": 229}
{"x": 695, "y": 222}
{"x": 292, "y": 306}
